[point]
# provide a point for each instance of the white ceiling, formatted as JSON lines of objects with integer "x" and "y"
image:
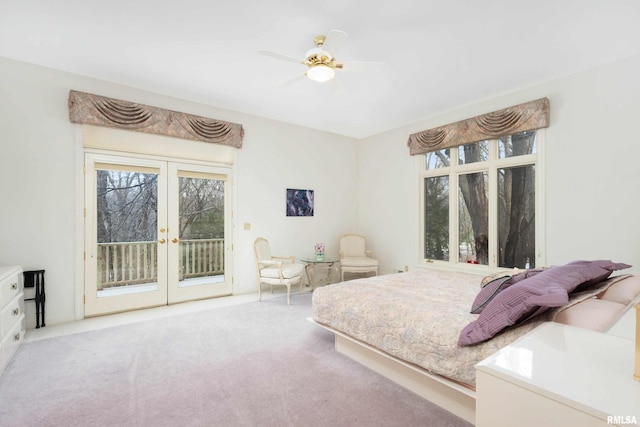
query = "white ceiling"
{"x": 439, "y": 54}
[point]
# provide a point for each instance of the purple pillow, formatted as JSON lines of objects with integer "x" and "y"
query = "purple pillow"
{"x": 529, "y": 297}
{"x": 488, "y": 292}
{"x": 605, "y": 264}
{"x": 497, "y": 284}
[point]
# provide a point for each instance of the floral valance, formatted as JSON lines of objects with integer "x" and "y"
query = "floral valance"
{"x": 520, "y": 118}
{"x": 86, "y": 108}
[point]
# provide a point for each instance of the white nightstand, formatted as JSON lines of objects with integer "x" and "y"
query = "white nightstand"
{"x": 559, "y": 375}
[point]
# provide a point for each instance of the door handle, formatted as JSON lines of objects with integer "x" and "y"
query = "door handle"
{"x": 161, "y": 241}
{"x": 174, "y": 240}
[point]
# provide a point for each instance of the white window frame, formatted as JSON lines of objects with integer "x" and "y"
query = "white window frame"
{"x": 491, "y": 165}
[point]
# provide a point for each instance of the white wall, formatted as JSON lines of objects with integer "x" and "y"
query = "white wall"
{"x": 38, "y": 151}
{"x": 368, "y": 186}
{"x": 278, "y": 157}
{"x": 591, "y": 190}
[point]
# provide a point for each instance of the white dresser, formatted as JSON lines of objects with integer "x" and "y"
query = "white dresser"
{"x": 12, "y": 319}
{"x": 560, "y": 375}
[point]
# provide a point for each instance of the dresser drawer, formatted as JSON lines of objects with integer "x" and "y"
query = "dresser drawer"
{"x": 10, "y": 314}
{"x": 11, "y": 342}
{"x": 10, "y": 286}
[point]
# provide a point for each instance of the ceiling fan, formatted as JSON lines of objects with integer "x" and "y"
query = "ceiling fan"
{"x": 320, "y": 60}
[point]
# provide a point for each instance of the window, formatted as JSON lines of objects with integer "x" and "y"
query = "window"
{"x": 481, "y": 202}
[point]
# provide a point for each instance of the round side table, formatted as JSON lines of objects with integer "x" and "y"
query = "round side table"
{"x": 328, "y": 264}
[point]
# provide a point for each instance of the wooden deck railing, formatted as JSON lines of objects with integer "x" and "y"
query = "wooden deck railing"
{"x": 132, "y": 263}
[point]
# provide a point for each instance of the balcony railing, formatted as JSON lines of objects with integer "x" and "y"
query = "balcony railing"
{"x": 133, "y": 263}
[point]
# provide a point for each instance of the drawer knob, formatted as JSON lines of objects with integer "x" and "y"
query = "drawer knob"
{"x": 14, "y": 286}
{"x": 16, "y": 337}
{"x": 16, "y": 311}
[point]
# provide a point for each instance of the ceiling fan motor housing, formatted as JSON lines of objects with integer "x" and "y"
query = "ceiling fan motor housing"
{"x": 318, "y": 56}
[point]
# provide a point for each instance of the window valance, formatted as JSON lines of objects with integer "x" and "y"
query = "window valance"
{"x": 86, "y": 108}
{"x": 520, "y": 118}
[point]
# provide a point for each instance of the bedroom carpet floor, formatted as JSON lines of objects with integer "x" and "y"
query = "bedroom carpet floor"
{"x": 224, "y": 362}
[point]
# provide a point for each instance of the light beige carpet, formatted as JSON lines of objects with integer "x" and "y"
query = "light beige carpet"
{"x": 252, "y": 364}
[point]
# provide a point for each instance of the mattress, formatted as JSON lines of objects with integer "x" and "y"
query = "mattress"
{"x": 417, "y": 317}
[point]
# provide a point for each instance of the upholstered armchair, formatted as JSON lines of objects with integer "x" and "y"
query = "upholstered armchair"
{"x": 354, "y": 256}
{"x": 276, "y": 270}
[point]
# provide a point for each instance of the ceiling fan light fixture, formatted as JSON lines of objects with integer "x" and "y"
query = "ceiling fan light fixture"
{"x": 321, "y": 73}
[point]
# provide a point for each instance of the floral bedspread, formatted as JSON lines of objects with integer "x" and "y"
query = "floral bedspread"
{"x": 415, "y": 316}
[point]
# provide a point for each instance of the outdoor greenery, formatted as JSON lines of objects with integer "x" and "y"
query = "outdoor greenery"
{"x": 515, "y": 200}
{"x": 127, "y": 207}
{"x": 201, "y": 208}
{"x": 127, "y": 226}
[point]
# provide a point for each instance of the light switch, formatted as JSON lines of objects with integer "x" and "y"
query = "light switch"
{"x": 247, "y": 226}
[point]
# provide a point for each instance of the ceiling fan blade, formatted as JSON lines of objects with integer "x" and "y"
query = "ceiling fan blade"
{"x": 359, "y": 65}
{"x": 281, "y": 56}
{"x": 334, "y": 41}
{"x": 292, "y": 80}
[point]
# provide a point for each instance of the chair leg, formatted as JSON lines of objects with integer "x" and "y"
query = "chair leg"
{"x": 36, "y": 299}
{"x": 42, "y": 301}
{"x": 259, "y": 291}
{"x": 289, "y": 294}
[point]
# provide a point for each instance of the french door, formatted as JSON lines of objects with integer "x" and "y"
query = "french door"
{"x": 156, "y": 232}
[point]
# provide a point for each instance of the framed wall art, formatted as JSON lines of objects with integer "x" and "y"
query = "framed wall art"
{"x": 299, "y": 202}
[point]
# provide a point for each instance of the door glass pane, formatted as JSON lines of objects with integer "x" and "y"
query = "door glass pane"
{"x": 436, "y": 218}
{"x": 473, "y": 218}
{"x": 473, "y": 153}
{"x": 516, "y": 216}
{"x": 201, "y": 208}
{"x": 127, "y": 231}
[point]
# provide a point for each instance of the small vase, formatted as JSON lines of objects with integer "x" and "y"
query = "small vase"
{"x": 319, "y": 250}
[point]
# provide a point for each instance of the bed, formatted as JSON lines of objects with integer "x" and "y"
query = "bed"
{"x": 407, "y": 326}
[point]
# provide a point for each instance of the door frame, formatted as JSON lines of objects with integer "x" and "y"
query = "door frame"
{"x": 84, "y": 233}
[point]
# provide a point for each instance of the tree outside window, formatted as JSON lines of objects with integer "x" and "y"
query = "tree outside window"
{"x": 495, "y": 202}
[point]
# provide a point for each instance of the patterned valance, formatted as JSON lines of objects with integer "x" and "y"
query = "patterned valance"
{"x": 86, "y": 108}
{"x": 520, "y": 118}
